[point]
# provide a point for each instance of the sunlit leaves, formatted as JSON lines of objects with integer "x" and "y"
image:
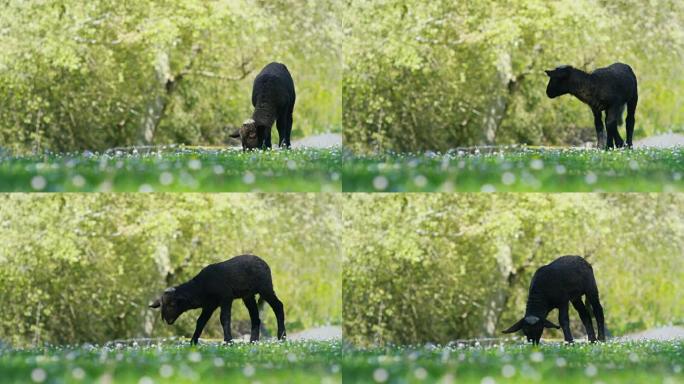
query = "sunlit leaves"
{"x": 83, "y": 267}
{"x": 94, "y": 64}
{"x": 441, "y": 74}
{"x": 467, "y": 259}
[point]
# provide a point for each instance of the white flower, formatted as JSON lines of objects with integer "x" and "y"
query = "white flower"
{"x": 508, "y": 178}
{"x": 380, "y": 375}
{"x": 78, "y": 181}
{"x": 591, "y": 370}
{"x": 166, "y": 178}
{"x": 38, "y": 375}
{"x": 380, "y": 183}
{"x": 537, "y": 357}
{"x": 590, "y": 178}
{"x": 508, "y": 371}
{"x": 38, "y": 182}
{"x": 248, "y": 178}
{"x": 420, "y": 373}
{"x": 78, "y": 373}
{"x": 195, "y": 357}
{"x": 165, "y": 371}
{"x": 248, "y": 370}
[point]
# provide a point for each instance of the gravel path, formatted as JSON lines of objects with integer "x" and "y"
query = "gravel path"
{"x": 321, "y": 333}
{"x": 325, "y": 140}
{"x": 662, "y": 333}
{"x": 667, "y": 140}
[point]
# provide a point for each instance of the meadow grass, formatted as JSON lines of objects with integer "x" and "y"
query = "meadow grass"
{"x": 612, "y": 362}
{"x": 176, "y": 362}
{"x": 175, "y": 169}
{"x": 517, "y": 169}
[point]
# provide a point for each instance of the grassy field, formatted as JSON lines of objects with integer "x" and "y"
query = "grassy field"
{"x": 175, "y": 169}
{"x": 173, "y": 362}
{"x": 614, "y": 362}
{"x": 519, "y": 169}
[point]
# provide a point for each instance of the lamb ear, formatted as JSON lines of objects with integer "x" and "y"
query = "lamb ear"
{"x": 548, "y": 324}
{"x": 548, "y": 73}
{"x": 235, "y": 134}
{"x": 155, "y": 304}
{"x": 563, "y": 72}
{"x": 515, "y": 327}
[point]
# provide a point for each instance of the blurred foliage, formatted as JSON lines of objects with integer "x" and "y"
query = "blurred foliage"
{"x": 436, "y": 75}
{"x": 100, "y": 74}
{"x": 439, "y": 267}
{"x": 83, "y": 267}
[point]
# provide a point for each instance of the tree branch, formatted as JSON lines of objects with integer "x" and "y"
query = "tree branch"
{"x": 217, "y": 76}
{"x": 244, "y": 68}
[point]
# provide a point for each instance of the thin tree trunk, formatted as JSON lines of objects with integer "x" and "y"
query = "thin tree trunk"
{"x": 156, "y": 106}
{"x": 497, "y": 301}
{"x": 165, "y": 86}
{"x": 497, "y": 109}
{"x": 36, "y": 333}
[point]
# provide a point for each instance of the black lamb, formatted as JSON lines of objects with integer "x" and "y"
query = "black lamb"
{"x": 606, "y": 89}
{"x": 273, "y": 98}
{"x": 564, "y": 280}
{"x": 217, "y": 285}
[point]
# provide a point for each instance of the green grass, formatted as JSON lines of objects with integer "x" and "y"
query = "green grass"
{"x": 613, "y": 362}
{"x": 519, "y": 169}
{"x": 175, "y": 169}
{"x": 176, "y": 362}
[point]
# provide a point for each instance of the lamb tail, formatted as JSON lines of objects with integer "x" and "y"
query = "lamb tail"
{"x": 262, "y": 328}
{"x": 620, "y": 120}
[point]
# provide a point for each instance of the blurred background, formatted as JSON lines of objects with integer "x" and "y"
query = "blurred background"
{"x": 94, "y": 75}
{"x": 439, "y": 267}
{"x": 83, "y": 267}
{"x": 443, "y": 74}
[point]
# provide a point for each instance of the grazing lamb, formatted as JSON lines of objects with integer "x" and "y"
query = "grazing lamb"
{"x": 273, "y": 98}
{"x": 217, "y": 285}
{"x": 564, "y": 280}
{"x": 606, "y": 89}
